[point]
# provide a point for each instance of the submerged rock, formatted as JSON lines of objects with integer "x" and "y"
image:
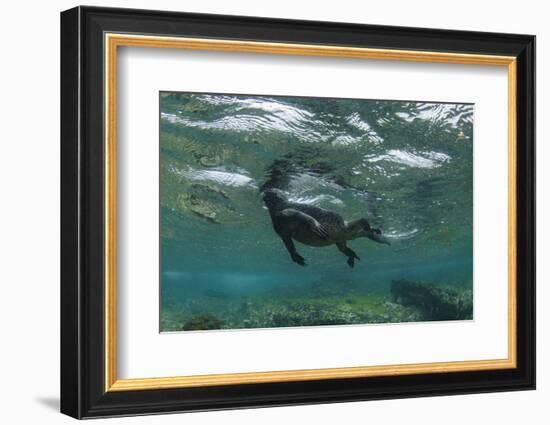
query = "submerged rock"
{"x": 279, "y": 312}
{"x": 434, "y": 303}
{"x": 316, "y": 312}
{"x": 200, "y": 207}
{"x": 206, "y": 201}
{"x": 203, "y": 322}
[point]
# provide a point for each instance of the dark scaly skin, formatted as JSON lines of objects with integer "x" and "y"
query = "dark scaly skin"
{"x": 333, "y": 224}
{"x": 313, "y": 226}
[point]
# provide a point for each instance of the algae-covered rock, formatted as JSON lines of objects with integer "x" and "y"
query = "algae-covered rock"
{"x": 200, "y": 207}
{"x": 434, "y": 303}
{"x": 203, "y": 322}
{"x": 206, "y": 201}
{"x": 314, "y": 312}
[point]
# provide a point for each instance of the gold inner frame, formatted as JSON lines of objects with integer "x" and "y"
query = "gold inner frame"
{"x": 113, "y": 41}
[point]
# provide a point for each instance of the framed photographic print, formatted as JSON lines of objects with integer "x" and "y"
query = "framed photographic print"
{"x": 261, "y": 212}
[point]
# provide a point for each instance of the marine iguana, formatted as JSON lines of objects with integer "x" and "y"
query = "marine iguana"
{"x": 315, "y": 226}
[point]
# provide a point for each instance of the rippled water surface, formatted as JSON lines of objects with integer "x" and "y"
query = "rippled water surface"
{"x": 405, "y": 166}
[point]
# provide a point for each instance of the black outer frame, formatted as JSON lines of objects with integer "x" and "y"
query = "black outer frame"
{"x": 82, "y": 219}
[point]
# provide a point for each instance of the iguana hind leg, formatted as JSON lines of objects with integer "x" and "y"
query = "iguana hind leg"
{"x": 352, "y": 256}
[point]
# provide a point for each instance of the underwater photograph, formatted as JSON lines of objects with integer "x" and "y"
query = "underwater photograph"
{"x": 283, "y": 211}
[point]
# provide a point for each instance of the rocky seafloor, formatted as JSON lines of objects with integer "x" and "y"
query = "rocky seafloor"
{"x": 407, "y": 302}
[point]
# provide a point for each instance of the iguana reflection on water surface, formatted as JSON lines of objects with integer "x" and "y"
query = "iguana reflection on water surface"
{"x": 315, "y": 226}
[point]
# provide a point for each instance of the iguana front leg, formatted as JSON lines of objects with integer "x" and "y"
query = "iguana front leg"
{"x": 289, "y": 244}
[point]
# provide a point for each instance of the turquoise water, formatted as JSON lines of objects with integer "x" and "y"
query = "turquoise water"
{"x": 405, "y": 166}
